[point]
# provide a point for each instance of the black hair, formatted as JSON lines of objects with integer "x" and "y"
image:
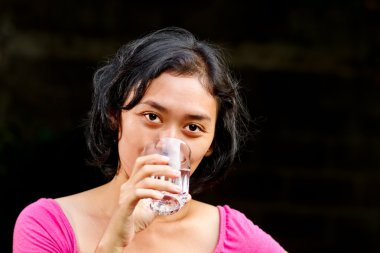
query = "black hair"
{"x": 140, "y": 61}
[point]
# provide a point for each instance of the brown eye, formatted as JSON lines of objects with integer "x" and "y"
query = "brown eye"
{"x": 152, "y": 117}
{"x": 193, "y": 127}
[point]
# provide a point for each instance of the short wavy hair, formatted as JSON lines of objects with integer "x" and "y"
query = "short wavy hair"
{"x": 133, "y": 67}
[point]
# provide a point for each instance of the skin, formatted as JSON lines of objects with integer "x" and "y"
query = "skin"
{"x": 111, "y": 218}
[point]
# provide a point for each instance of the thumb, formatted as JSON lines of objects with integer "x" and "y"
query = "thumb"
{"x": 143, "y": 215}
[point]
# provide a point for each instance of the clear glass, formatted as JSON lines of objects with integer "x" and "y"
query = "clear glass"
{"x": 179, "y": 159}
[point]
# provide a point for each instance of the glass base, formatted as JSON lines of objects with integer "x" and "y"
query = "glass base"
{"x": 170, "y": 204}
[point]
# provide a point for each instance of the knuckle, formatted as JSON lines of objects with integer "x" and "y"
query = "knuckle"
{"x": 144, "y": 183}
{"x": 139, "y": 160}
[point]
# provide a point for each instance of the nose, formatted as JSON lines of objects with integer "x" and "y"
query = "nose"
{"x": 170, "y": 131}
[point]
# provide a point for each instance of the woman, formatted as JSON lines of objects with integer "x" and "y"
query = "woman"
{"x": 166, "y": 83}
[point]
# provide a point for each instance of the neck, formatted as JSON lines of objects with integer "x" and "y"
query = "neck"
{"x": 108, "y": 194}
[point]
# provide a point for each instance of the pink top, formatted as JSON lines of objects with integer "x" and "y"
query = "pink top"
{"x": 239, "y": 234}
{"x": 43, "y": 227}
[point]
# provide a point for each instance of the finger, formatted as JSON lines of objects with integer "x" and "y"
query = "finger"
{"x": 143, "y": 193}
{"x": 152, "y": 159}
{"x": 159, "y": 185}
{"x": 149, "y": 187}
{"x": 130, "y": 196}
{"x": 150, "y": 170}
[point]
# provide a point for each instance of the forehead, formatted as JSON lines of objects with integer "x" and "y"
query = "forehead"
{"x": 179, "y": 91}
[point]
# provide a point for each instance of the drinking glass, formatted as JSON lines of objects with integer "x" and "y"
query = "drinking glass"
{"x": 179, "y": 159}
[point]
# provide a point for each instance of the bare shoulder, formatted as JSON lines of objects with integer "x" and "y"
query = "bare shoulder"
{"x": 205, "y": 223}
{"x": 73, "y": 206}
{"x": 73, "y": 202}
{"x": 80, "y": 200}
{"x": 206, "y": 215}
{"x": 203, "y": 210}
{"x": 80, "y": 206}
{"x": 84, "y": 211}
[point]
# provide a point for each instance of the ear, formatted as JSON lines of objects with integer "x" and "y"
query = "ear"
{"x": 113, "y": 119}
{"x": 209, "y": 151}
{"x": 114, "y": 122}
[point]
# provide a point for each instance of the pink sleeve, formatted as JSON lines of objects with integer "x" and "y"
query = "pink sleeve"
{"x": 43, "y": 227}
{"x": 238, "y": 234}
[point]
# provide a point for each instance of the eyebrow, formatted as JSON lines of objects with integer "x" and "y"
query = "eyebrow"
{"x": 158, "y": 106}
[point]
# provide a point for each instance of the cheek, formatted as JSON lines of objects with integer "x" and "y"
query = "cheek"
{"x": 129, "y": 150}
{"x": 127, "y": 157}
{"x": 196, "y": 158}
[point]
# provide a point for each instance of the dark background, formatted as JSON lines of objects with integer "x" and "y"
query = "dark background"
{"x": 311, "y": 73}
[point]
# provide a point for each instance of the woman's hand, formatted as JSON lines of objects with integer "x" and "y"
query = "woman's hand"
{"x": 133, "y": 215}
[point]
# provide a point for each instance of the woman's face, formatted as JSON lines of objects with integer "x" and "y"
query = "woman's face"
{"x": 173, "y": 106}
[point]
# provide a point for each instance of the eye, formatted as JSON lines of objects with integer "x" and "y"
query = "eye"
{"x": 152, "y": 117}
{"x": 193, "y": 128}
